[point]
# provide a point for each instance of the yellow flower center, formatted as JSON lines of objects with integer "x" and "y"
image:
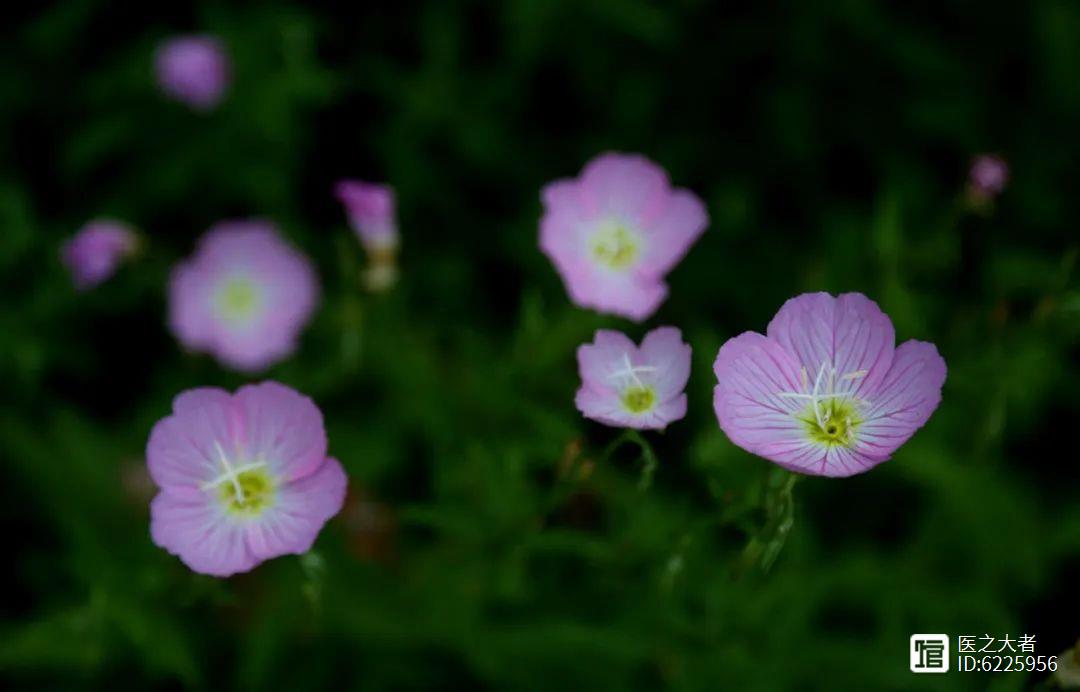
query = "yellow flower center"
{"x": 639, "y": 398}
{"x": 615, "y": 246}
{"x": 238, "y": 299}
{"x": 835, "y": 424}
{"x": 249, "y": 494}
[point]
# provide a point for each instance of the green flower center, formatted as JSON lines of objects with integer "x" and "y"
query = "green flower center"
{"x": 249, "y": 493}
{"x": 835, "y": 425}
{"x": 238, "y": 299}
{"x": 639, "y": 398}
{"x": 615, "y": 246}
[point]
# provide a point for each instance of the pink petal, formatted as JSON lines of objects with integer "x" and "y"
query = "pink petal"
{"x": 669, "y": 236}
{"x": 283, "y": 427}
{"x": 183, "y": 449}
{"x": 904, "y": 399}
{"x": 635, "y": 298}
{"x": 200, "y": 534}
{"x": 663, "y": 349}
{"x": 751, "y": 371}
{"x": 301, "y": 509}
{"x": 599, "y": 361}
{"x": 849, "y": 332}
{"x": 627, "y": 186}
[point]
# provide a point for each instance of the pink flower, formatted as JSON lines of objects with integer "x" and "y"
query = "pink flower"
{"x": 243, "y": 477}
{"x": 372, "y": 215}
{"x": 615, "y": 232}
{"x": 194, "y": 70}
{"x": 630, "y": 387}
{"x": 825, "y": 392}
{"x": 95, "y": 252}
{"x": 988, "y": 176}
{"x": 244, "y": 296}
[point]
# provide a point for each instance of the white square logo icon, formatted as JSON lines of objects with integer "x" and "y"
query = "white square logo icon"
{"x": 929, "y": 653}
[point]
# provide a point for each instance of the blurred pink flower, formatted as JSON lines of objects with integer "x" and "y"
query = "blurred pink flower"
{"x": 244, "y": 296}
{"x": 616, "y": 231}
{"x": 372, "y": 214}
{"x": 629, "y": 387}
{"x": 988, "y": 177}
{"x": 95, "y": 252}
{"x": 194, "y": 70}
{"x": 243, "y": 477}
{"x": 826, "y": 392}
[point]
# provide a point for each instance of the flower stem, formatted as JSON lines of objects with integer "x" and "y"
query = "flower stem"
{"x": 779, "y": 505}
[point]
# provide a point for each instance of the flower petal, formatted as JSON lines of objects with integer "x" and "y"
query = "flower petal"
{"x": 669, "y": 235}
{"x": 663, "y": 349}
{"x": 282, "y": 427}
{"x": 752, "y": 371}
{"x": 599, "y": 361}
{"x": 183, "y": 450}
{"x": 904, "y": 399}
{"x": 199, "y": 533}
{"x": 301, "y": 509}
{"x": 626, "y": 186}
{"x": 849, "y": 333}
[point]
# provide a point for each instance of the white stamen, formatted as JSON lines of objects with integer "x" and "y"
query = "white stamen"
{"x": 631, "y": 371}
{"x": 232, "y": 474}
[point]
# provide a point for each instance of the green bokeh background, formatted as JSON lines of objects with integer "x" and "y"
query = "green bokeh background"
{"x": 489, "y": 542}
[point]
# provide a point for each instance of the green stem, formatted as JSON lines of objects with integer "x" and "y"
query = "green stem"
{"x": 648, "y": 457}
{"x": 764, "y": 548}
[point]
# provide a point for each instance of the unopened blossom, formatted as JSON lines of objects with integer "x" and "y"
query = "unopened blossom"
{"x": 242, "y": 477}
{"x": 616, "y": 231}
{"x": 988, "y": 176}
{"x": 372, "y": 213}
{"x": 194, "y": 70}
{"x": 825, "y": 391}
{"x": 626, "y": 386}
{"x": 244, "y": 296}
{"x": 93, "y": 254}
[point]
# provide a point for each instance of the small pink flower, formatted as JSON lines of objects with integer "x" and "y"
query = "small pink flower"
{"x": 826, "y": 392}
{"x": 372, "y": 214}
{"x": 244, "y": 296}
{"x": 194, "y": 70}
{"x": 95, "y": 252}
{"x": 988, "y": 177}
{"x": 629, "y": 387}
{"x": 615, "y": 232}
{"x": 243, "y": 477}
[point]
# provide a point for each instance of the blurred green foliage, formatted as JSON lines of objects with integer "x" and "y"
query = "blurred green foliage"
{"x": 489, "y": 541}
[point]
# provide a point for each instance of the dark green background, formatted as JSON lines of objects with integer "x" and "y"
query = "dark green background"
{"x": 830, "y": 142}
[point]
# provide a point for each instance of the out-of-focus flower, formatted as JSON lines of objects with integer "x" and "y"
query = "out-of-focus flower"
{"x": 616, "y": 231}
{"x": 629, "y": 387}
{"x": 243, "y": 477}
{"x": 372, "y": 213}
{"x": 194, "y": 70}
{"x": 825, "y": 392}
{"x": 988, "y": 176}
{"x": 1067, "y": 675}
{"x": 244, "y": 296}
{"x": 94, "y": 253}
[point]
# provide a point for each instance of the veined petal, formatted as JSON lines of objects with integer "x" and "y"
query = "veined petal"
{"x": 849, "y": 333}
{"x": 184, "y": 449}
{"x": 904, "y": 399}
{"x": 752, "y": 372}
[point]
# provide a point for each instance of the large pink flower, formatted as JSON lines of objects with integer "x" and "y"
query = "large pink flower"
{"x": 615, "y": 232}
{"x": 244, "y": 296}
{"x": 826, "y": 392}
{"x": 243, "y": 477}
{"x": 629, "y": 387}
